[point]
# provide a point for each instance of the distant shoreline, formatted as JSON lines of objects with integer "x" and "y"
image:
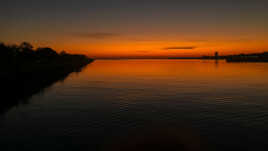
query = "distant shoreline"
{"x": 255, "y": 57}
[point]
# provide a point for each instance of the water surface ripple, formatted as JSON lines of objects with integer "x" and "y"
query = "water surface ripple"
{"x": 224, "y": 104}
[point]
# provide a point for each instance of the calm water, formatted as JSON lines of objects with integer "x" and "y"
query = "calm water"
{"x": 220, "y": 105}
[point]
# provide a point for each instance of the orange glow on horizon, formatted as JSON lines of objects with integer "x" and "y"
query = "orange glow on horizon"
{"x": 149, "y": 46}
{"x": 157, "y": 49}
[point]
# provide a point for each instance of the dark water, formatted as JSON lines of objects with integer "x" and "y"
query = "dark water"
{"x": 221, "y": 106}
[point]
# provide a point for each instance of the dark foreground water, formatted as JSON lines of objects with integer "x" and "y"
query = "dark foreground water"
{"x": 221, "y": 106}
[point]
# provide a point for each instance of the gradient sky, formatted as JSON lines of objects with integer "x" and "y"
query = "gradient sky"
{"x": 138, "y": 28}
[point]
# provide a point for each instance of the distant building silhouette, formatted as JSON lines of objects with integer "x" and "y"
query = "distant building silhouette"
{"x": 216, "y": 55}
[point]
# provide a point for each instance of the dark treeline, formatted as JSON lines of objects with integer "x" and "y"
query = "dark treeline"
{"x": 26, "y": 71}
{"x": 254, "y": 57}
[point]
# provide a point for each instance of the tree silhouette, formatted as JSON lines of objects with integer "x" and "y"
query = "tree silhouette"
{"x": 63, "y": 53}
{"x": 26, "y": 51}
{"x": 26, "y": 45}
{"x": 46, "y": 52}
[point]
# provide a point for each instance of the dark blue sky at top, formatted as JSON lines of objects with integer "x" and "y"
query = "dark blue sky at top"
{"x": 109, "y": 15}
{"x": 29, "y": 8}
{"x": 111, "y": 6}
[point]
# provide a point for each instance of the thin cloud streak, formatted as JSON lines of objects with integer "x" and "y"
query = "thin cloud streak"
{"x": 180, "y": 48}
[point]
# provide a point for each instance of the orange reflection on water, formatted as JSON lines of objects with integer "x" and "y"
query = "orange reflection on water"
{"x": 180, "y": 68}
{"x": 175, "y": 72}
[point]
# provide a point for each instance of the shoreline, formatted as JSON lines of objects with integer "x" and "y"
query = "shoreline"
{"x": 25, "y": 71}
{"x": 20, "y": 86}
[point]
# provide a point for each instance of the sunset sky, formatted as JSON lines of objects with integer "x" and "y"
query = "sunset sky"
{"x": 138, "y": 28}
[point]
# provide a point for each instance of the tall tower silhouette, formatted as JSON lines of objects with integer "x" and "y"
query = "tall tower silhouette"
{"x": 216, "y": 55}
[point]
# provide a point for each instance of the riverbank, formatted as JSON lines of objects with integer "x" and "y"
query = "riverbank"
{"x": 25, "y": 71}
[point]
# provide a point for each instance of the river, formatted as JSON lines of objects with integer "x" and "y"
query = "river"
{"x": 220, "y": 105}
